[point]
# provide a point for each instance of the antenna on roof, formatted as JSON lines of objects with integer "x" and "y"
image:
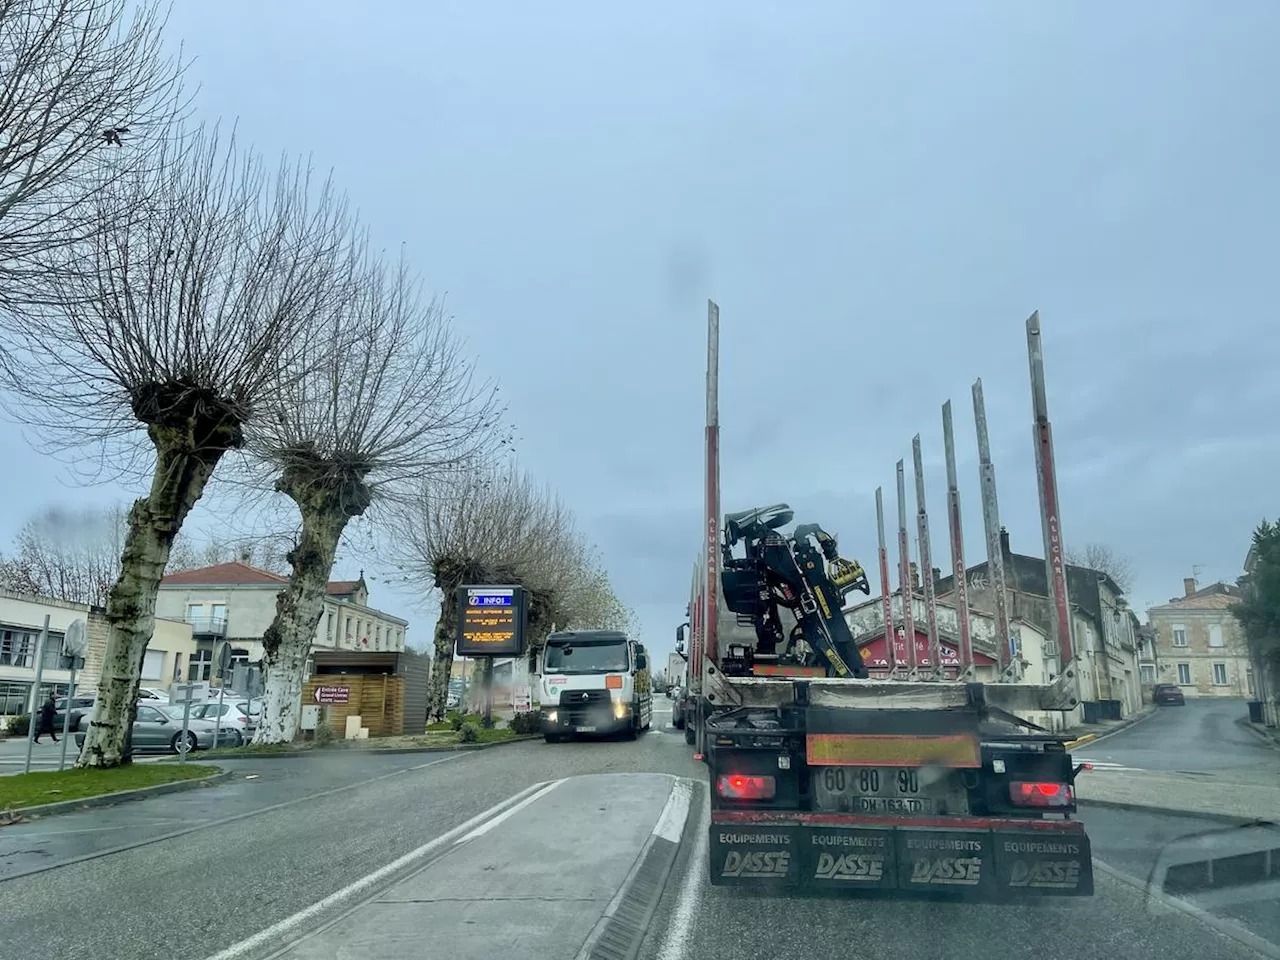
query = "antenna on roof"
{"x": 1195, "y": 569}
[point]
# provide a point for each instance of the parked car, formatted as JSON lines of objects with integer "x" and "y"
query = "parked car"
{"x": 153, "y": 693}
{"x": 1168, "y": 693}
{"x": 240, "y": 715}
{"x": 159, "y": 729}
{"x": 81, "y": 706}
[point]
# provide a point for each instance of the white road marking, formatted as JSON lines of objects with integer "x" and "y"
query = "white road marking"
{"x": 671, "y": 821}
{"x": 485, "y": 827}
{"x": 679, "y": 938}
{"x": 278, "y": 929}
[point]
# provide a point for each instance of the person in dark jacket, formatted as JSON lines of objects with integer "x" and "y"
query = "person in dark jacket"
{"x": 45, "y": 724}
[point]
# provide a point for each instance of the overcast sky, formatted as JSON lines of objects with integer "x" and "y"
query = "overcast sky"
{"x": 877, "y": 195}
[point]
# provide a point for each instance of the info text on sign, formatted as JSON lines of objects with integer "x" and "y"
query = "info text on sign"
{"x": 332, "y": 695}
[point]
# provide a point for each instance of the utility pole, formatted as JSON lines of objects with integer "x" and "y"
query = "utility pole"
{"x": 991, "y": 526}
{"x": 1047, "y": 482}
{"x": 886, "y": 596}
{"x": 926, "y": 561}
{"x": 957, "y": 545}
{"x": 904, "y": 575}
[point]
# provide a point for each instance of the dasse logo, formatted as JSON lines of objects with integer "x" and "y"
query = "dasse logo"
{"x": 949, "y": 871}
{"x": 1046, "y": 874}
{"x": 755, "y": 864}
{"x": 851, "y": 866}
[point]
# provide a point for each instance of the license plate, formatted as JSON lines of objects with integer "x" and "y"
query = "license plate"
{"x": 585, "y": 729}
{"x": 890, "y": 791}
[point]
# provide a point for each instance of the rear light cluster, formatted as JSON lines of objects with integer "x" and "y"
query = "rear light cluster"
{"x": 736, "y": 786}
{"x": 1024, "y": 793}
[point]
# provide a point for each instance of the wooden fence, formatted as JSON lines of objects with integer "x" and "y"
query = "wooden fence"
{"x": 377, "y": 698}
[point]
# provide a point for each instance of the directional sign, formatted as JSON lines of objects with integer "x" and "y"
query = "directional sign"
{"x": 332, "y": 695}
{"x": 491, "y": 621}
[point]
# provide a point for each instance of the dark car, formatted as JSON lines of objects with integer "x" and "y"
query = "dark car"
{"x": 1168, "y": 693}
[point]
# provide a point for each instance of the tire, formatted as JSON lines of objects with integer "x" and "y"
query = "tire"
{"x": 553, "y": 737}
{"x": 677, "y": 721}
{"x": 633, "y": 729}
{"x": 176, "y": 745}
{"x": 689, "y": 735}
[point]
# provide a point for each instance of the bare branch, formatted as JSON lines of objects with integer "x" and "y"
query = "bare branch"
{"x": 178, "y": 317}
{"x": 87, "y": 93}
{"x": 1102, "y": 558}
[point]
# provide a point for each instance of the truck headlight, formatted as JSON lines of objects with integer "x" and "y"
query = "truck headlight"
{"x": 552, "y": 716}
{"x": 621, "y": 708}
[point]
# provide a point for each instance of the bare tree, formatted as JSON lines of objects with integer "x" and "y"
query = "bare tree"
{"x": 392, "y": 402}
{"x": 499, "y": 526}
{"x": 268, "y": 552}
{"x": 176, "y": 319}
{"x": 86, "y": 90}
{"x": 470, "y": 527}
{"x": 1100, "y": 557}
{"x": 72, "y": 555}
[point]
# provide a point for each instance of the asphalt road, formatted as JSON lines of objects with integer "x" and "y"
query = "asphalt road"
{"x": 259, "y": 851}
{"x": 1201, "y": 737}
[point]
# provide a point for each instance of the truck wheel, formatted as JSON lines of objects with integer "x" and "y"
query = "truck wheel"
{"x": 633, "y": 728}
{"x": 552, "y": 737}
{"x": 689, "y": 734}
{"x": 677, "y": 722}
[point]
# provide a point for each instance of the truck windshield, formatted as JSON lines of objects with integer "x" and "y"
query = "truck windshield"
{"x": 587, "y": 658}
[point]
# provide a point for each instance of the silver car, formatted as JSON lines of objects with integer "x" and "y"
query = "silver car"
{"x": 158, "y": 728}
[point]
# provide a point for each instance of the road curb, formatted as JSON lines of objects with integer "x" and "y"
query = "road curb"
{"x": 1085, "y": 803}
{"x": 120, "y": 796}
{"x": 1072, "y": 744}
{"x": 1263, "y": 737}
{"x": 1125, "y": 725}
{"x": 378, "y": 751}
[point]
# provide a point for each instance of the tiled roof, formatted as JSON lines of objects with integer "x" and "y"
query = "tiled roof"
{"x": 234, "y": 574}
{"x": 338, "y": 588}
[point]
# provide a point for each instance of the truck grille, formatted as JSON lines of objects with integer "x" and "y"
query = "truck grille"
{"x": 584, "y": 706}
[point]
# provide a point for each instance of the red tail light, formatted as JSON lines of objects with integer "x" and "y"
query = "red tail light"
{"x": 735, "y": 786}
{"x": 1034, "y": 794}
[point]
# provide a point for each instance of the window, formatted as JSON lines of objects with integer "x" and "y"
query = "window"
{"x": 1215, "y": 634}
{"x": 177, "y": 668}
{"x": 1180, "y": 635}
{"x": 1219, "y": 674}
{"x": 1184, "y": 674}
{"x": 201, "y": 665}
{"x": 1147, "y": 672}
{"x": 153, "y": 665}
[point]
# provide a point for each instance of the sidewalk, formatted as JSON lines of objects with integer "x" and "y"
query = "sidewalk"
{"x": 1093, "y": 731}
{"x": 1240, "y": 795}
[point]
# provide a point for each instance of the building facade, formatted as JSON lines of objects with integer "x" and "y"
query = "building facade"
{"x": 21, "y": 623}
{"x": 236, "y": 602}
{"x": 1200, "y": 645}
{"x": 1104, "y": 628}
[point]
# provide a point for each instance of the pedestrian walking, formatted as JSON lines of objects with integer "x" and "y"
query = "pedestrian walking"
{"x": 45, "y": 723}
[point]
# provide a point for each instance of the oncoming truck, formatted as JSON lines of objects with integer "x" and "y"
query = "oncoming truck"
{"x": 823, "y": 777}
{"x": 594, "y": 682}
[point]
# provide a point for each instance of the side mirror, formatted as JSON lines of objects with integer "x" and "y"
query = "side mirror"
{"x": 642, "y": 661}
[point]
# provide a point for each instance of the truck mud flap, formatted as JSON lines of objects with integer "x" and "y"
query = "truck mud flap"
{"x": 1036, "y": 864}
{"x": 988, "y": 865}
{"x": 755, "y": 855}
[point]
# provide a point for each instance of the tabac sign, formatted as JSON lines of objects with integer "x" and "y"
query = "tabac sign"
{"x": 491, "y": 621}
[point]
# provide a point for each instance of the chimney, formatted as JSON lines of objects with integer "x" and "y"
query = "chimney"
{"x": 937, "y": 576}
{"x": 1188, "y": 586}
{"x": 915, "y": 577}
{"x": 1004, "y": 542}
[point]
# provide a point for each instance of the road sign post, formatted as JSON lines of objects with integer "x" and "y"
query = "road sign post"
{"x": 223, "y": 660}
{"x": 74, "y": 645}
{"x": 186, "y": 691}
{"x": 35, "y": 693}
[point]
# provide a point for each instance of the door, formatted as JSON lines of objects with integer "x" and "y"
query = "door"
{"x": 151, "y": 729}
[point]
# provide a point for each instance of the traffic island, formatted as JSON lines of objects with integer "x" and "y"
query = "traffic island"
{"x": 50, "y": 791}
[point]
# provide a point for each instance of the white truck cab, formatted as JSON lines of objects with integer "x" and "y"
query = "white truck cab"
{"x": 594, "y": 682}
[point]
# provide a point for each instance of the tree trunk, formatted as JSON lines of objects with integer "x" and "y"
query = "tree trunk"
{"x": 299, "y": 606}
{"x": 442, "y": 661}
{"x": 154, "y": 520}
